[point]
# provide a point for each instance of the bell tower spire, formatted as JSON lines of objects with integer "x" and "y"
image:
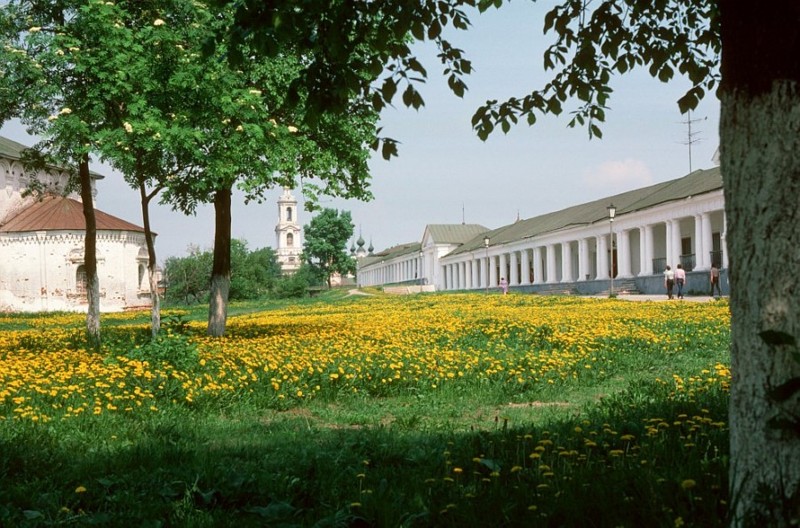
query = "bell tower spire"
{"x": 288, "y": 233}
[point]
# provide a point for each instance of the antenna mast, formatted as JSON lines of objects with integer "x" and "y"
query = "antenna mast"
{"x": 691, "y": 137}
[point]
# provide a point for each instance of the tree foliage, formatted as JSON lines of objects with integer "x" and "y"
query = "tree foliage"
{"x": 254, "y": 274}
{"x": 325, "y": 243}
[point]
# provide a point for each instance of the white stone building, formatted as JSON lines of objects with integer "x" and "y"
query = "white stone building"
{"x": 576, "y": 249}
{"x": 42, "y": 246}
{"x": 288, "y": 233}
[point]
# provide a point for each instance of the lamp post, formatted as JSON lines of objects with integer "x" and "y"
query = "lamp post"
{"x": 612, "y": 211}
{"x": 486, "y": 278}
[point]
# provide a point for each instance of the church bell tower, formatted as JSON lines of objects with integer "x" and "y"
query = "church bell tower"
{"x": 288, "y": 233}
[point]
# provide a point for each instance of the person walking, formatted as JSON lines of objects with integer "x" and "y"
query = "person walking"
{"x": 714, "y": 278}
{"x": 680, "y": 279}
{"x": 504, "y": 285}
{"x": 669, "y": 281}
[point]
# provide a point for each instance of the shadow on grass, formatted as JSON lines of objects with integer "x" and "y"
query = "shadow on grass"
{"x": 636, "y": 459}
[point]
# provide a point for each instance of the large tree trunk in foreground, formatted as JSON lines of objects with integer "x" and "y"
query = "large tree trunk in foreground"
{"x": 155, "y": 308}
{"x": 760, "y": 155}
{"x": 90, "y": 255}
{"x": 221, "y": 269}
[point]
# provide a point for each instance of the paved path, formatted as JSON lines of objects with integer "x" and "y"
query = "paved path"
{"x": 663, "y": 297}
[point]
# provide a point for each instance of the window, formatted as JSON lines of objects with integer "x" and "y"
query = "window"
{"x": 289, "y": 240}
{"x": 141, "y": 275}
{"x": 291, "y": 259}
{"x": 81, "y": 283}
{"x": 288, "y": 214}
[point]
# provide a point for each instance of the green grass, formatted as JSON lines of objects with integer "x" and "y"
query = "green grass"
{"x": 623, "y": 449}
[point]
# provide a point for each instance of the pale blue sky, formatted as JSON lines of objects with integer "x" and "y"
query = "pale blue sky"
{"x": 443, "y": 167}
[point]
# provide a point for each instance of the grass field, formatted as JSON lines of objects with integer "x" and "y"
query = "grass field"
{"x": 428, "y": 410}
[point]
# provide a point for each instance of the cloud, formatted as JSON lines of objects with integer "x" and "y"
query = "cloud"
{"x": 617, "y": 176}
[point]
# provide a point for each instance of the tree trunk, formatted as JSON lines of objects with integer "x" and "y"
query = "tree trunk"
{"x": 760, "y": 160}
{"x": 155, "y": 308}
{"x": 221, "y": 269}
{"x": 90, "y": 255}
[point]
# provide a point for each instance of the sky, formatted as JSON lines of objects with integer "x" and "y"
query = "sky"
{"x": 445, "y": 174}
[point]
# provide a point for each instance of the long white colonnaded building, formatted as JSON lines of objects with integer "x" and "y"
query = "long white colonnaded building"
{"x": 574, "y": 250}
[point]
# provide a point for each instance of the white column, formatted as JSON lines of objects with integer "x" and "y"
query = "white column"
{"x": 462, "y": 271}
{"x": 583, "y": 259}
{"x": 649, "y": 249}
{"x": 502, "y": 266}
{"x": 643, "y": 251}
{"x": 513, "y": 279}
{"x": 474, "y": 267}
{"x": 602, "y": 257}
{"x": 668, "y": 242}
{"x": 484, "y": 272}
{"x": 698, "y": 242}
{"x": 676, "y": 243}
{"x": 551, "y": 263}
{"x": 707, "y": 246}
{"x": 526, "y": 266}
{"x": 492, "y": 271}
{"x": 566, "y": 262}
{"x": 624, "y": 253}
{"x": 538, "y": 274}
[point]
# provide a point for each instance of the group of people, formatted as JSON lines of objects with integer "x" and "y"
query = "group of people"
{"x": 677, "y": 278}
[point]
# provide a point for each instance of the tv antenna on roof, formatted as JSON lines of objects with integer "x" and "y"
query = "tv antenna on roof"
{"x": 691, "y": 137}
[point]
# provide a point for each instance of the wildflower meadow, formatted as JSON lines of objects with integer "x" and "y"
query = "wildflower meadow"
{"x": 426, "y": 410}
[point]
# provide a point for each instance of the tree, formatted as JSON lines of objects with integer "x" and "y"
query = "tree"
{"x": 63, "y": 101}
{"x": 758, "y": 86}
{"x": 187, "y": 277}
{"x": 325, "y": 243}
{"x": 253, "y": 274}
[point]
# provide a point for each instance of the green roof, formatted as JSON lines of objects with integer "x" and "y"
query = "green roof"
{"x": 695, "y": 183}
{"x": 454, "y": 233}
{"x": 10, "y": 149}
{"x": 393, "y": 252}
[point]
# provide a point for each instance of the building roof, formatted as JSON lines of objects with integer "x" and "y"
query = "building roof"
{"x": 695, "y": 183}
{"x": 392, "y": 252}
{"x": 12, "y": 150}
{"x": 454, "y": 233}
{"x": 57, "y": 213}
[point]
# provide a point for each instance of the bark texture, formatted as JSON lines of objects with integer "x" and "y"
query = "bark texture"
{"x": 90, "y": 255}
{"x": 221, "y": 269}
{"x": 761, "y": 169}
{"x": 760, "y": 160}
{"x": 155, "y": 308}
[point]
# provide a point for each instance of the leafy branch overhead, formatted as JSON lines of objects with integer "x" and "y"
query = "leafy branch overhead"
{"x": 353, "y": 53}
{"x": 595, "y": 41}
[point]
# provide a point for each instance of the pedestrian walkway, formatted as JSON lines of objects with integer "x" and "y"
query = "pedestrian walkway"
{"x": 663, "y": 297}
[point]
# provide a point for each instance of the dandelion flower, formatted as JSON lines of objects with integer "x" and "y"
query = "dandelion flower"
{"x": 158, "y": 22}
{"x": 80, "y": 489}
{"x": 688, "y": 484}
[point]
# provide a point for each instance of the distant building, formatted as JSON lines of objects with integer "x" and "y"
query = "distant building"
{"x": 288, "y": 233}
{"x": 577, "y": 249}
{"x": 42, "y": 245}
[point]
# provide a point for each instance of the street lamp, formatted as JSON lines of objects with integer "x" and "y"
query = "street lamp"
{"x": 486, "y": 279}
{"x": 612, "y": 212}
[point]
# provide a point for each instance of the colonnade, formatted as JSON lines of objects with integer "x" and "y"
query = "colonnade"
{"x": 630, "y": 250}
{"x": 401, "y": 269}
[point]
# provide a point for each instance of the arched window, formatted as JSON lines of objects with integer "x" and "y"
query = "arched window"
{"x": 288, "y": 214}
{"x": 289, "y": 240}
{"x": 81, "y": 283}
{"x": 141, "y": 275}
